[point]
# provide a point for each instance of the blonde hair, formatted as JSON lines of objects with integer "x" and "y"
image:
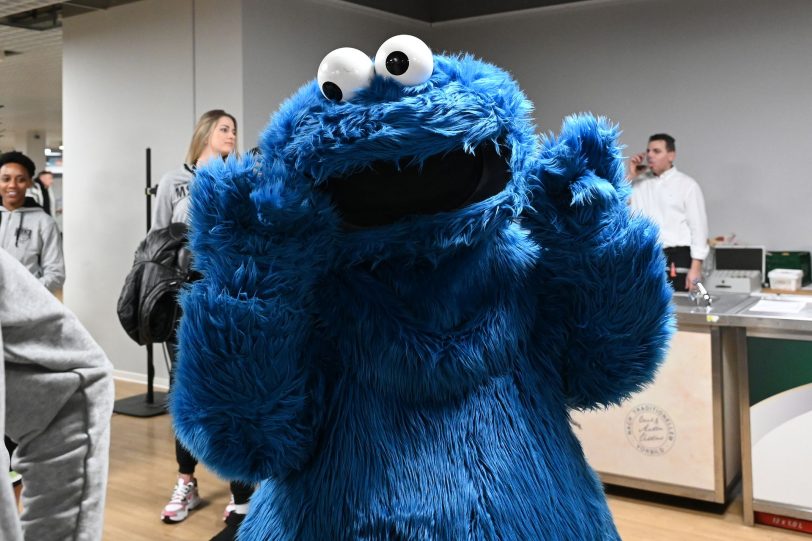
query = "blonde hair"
{"x": 203, "y": 130}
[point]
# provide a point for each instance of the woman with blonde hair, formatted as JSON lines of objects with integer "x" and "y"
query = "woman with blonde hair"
{"x": 215, "y": 136}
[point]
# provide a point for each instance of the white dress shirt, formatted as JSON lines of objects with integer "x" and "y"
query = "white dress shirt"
{"x": 674, "y": 202}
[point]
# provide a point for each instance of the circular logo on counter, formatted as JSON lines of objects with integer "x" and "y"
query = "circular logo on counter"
{"x": 650, "y": 430}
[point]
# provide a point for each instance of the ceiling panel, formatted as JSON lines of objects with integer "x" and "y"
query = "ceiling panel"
{"x": 10, "y": 7}
{"x": 30, "y": 82}
{"x": 21, "y": 40}
{"x": 30, "y": 86}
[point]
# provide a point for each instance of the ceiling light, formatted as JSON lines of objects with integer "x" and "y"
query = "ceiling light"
{"x": 46, "y": 18}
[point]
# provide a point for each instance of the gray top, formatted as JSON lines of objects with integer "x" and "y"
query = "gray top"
{"x": 32, "y": 238}
{"x": 56, "y": 398}
{"x": 172, "y": 198}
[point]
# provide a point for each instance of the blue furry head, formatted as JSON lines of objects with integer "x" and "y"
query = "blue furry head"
{"x": 412, "y": 169}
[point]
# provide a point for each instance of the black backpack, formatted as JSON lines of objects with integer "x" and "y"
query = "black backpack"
{"x": 148, "y": 305}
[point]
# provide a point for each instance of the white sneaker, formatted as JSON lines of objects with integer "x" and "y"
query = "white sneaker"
{"x": 184, "y": 499}
{"x": 229, "y": 508}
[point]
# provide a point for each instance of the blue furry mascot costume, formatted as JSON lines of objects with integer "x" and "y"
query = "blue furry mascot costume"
{"x": 403, "y": 298}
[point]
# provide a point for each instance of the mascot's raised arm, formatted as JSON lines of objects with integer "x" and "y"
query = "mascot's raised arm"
{"x": 402, "y": 299}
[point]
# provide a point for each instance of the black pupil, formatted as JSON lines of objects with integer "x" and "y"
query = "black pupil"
{"x": 397, "y": 63}
{"x": 331, "y": 91}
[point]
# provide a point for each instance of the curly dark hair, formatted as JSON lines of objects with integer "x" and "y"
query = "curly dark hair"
{"x": 20, "y": 159}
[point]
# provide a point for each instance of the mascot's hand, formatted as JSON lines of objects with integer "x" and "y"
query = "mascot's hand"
{"x": 601, "y": 275}
{"x": 580, "y": 181}
{"x": 247, "y": 391}
{"x": 261, "y": 230}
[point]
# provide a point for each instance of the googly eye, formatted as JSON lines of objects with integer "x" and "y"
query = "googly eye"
{"x": 406, "y": 59}
{"x": 343, "y": 73}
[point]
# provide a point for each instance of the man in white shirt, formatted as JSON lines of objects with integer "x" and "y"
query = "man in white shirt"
{"x": 674, "y": 201}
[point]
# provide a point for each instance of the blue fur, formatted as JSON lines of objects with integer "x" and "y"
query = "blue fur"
{"x": 413, "y": 381}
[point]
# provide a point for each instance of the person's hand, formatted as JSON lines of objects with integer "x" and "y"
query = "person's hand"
{"x": 692, "y": 276}
{"x": 637, "y": 164}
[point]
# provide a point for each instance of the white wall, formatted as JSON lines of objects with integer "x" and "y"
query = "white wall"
{"x": 134, "y": 76}
{"x": 729, "y": 79}
{"x": 218, "y": 63}
{"x": 284, "y": 43}
{"x": 35, "y": 148}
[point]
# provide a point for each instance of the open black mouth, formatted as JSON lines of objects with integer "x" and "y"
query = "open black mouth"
{"x": 385, "y": 193}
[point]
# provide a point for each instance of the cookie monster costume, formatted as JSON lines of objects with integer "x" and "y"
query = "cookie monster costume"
{"x": 403, "y": 298}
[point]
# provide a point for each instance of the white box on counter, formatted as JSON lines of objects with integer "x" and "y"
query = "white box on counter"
{"x": 787, "y": 279}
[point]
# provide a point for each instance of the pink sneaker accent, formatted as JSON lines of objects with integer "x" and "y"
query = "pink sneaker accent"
{"x": 184, "y": 499}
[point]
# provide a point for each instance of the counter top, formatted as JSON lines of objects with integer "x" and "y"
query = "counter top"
{"x": 720, "y": 313}
{"x": 777, "y": 312}
{"x": 784, "y": 312}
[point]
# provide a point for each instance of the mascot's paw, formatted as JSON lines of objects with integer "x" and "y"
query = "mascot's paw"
{"x": 270, "y": 221}
{"x": 289, "y": 207}
{"x": 580, "y": 176}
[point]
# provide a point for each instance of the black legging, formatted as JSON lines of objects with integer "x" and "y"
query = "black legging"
{"x": 10, "y": 446}
{"x": 186, "y": 462}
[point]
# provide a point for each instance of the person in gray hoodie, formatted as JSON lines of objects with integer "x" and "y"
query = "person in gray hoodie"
{"x": 26, "y": 231}
{"x": 56, "y": 387}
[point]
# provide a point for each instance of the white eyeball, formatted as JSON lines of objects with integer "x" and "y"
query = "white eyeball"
{"x": 343, "y": 73}
{"x": 406, "y": 59}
